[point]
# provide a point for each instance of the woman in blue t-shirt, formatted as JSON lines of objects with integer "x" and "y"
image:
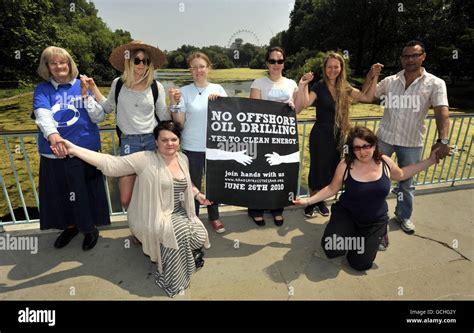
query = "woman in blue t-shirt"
{"x": 71, "y": 192}
{"x": 189, "y": 107}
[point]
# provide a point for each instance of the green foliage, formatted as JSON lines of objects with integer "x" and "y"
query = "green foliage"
{"x": 28, "y": 27}
{"x": 375, "y": 31}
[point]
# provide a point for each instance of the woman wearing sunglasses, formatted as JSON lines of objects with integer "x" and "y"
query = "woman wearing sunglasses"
{"x": 359, "y": 219}
{"x": 331, "y": 97}
{"x": 274, "y": 87}
{"x": 138, "y": 108}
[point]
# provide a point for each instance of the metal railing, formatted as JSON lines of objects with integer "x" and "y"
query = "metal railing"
{"x": 18, "y": 153}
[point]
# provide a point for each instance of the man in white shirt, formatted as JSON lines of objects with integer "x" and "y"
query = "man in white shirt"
{"x": 406, "y": 97}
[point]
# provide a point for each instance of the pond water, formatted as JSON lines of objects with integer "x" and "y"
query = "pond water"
{"x": 179, "y": 79}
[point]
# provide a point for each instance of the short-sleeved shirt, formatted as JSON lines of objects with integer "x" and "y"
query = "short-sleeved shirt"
{"x": 194, "y": 102}
{"x": 135, "y": 108}
{"x": 69, "y": 115}
{"x": 405, "y": 110}
{"x": 281, "y": 91}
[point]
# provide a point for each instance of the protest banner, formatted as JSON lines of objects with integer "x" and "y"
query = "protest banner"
{"x": 252, "y": 153}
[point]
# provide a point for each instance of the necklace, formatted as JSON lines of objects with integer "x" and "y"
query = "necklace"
{"x": 200, "y": 91}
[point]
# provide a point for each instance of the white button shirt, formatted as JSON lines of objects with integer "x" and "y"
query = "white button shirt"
{"x": 405, "y": 110}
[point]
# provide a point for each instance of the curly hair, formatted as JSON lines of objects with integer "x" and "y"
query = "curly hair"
{"x": 363, "y": 133}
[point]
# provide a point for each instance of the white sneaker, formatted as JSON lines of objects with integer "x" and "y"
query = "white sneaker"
{"x": 407, "y": 225}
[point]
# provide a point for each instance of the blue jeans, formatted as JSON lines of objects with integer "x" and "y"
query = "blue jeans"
{"x": 405, "y": 156}
{"x": 197, "y": 161}
{"x": 132, "y": 143}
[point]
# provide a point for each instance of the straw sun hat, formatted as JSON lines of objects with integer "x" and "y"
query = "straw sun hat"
{"x": 122, "y": 52}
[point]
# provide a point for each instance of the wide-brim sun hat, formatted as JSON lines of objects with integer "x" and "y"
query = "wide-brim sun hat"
{"x": 122, "y": 52}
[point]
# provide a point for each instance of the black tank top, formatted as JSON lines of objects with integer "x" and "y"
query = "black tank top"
{"x": 366, "y": 200}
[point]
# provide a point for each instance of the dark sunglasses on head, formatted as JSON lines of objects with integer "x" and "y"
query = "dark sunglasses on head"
{"x": 137, "y": 61}
{"x": 364, "y": 147}
{"x": 274, "y": 61}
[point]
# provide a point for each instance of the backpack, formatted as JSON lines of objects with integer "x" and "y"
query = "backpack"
{"x": 118, "y": 87}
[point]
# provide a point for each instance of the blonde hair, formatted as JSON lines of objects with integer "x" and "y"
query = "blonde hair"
{"x": 49, "y": 53}
{"x": 342, "y": 122}
{"x": 200, "y": 55}
{"x": 128, "y": 76}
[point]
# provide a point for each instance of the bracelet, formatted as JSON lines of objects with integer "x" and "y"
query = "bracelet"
{"x": 175, "y": 108}
{"x": 195, "y": 196}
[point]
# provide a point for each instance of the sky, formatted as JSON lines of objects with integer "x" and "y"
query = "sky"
{"x": 169, "y": 24}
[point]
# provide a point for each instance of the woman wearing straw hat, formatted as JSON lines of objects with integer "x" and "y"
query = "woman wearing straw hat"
{"x": 140, "y": 102}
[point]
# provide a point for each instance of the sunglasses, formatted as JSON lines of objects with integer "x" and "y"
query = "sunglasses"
{"x": 364, "y": 147}
{"x": 274, "y": 61}
{"x": 146, "y": 62}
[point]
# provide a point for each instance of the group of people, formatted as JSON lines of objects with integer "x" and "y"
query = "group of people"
{"x": 160, "y": 185}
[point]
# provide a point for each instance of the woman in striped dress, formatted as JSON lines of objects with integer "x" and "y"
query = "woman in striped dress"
{"x": 161, "y": 214}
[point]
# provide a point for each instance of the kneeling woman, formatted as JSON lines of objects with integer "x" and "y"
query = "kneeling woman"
{"x": 161, "y": 214}
{"x": 359, "y": 219}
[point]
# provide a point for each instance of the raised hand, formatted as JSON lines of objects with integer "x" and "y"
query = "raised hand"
{"x": 375, "y": 70}
{"x": 175, "y": 95}
{"x": 307, "y": 78}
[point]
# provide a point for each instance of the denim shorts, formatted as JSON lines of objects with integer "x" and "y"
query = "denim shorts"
{"x": 136, "y": 142}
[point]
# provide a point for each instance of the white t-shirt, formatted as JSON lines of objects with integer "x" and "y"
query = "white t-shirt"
{"x": 281, "y": 91}
{"x": 194, "y": 105}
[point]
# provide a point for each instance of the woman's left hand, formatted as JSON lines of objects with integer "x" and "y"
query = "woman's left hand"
{"x": 201, "y": 198}
{"x": 213, "y": 97}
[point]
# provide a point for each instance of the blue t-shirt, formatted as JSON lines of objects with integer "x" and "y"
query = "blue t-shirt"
{"x": 70, "y": 117}
{"x": 194, "y": 103}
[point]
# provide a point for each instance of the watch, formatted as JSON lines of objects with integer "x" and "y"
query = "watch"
{"x": 443, "y": 141}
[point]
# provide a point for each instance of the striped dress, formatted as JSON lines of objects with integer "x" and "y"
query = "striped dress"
{"x": 179, "y": 265}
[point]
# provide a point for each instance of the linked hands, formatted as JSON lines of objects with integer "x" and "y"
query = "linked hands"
{"x": 300, "y": 202}
{"x": 57, "y": 145}
{"x": 201, "y": 198}
{"x": 306, "y": 78}
{"x": 375, "y": 71}
{"x": 87, "y": 83}
{"x": 441, "y": 151}
{"x": 438, "y": 152}
{"x": 61, "y": 146}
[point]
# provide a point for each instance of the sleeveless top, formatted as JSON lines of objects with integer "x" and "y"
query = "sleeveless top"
{"x": 366, "y": 200}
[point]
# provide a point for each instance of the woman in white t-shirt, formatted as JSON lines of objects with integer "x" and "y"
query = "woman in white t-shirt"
{"x": 276, "y": 88}
{"x": 191, "y": 111}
